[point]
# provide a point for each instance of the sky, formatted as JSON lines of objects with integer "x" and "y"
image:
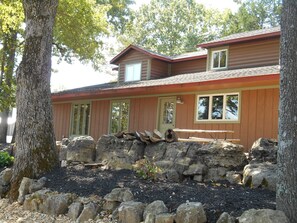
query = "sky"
{"x": 75, "y": 75}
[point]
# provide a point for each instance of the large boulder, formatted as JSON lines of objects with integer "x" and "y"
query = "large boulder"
{"x": 264, "y": 150}
{"x": 131, "y": 212}
{"x": 118, "y": 153}
{"x": 263, "y": 216}
{"x": 191, "y": 212}
{"x": 115, "y": 197}
{"x": 89, "y": 212}
{"x": 154, "y": 208}
{"x": 81, "y": 149}
{"x": 260, "y": 175}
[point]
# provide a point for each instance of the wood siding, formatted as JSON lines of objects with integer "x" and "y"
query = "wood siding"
{"x": 99, "y": 124}
{"x": 259, "y": 115}
{"x": 254, "y": 54}
{"x": 159, "y": 69}
{"x": 61, "y": 114}
{"x": 133, "y": 57}
{"x": 185, "y": 67}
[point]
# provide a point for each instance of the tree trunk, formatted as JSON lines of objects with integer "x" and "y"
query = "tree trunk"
{"x": 3, "y": 126}
{"x": 35, "y": 140}
{"x": 286, "y": 194}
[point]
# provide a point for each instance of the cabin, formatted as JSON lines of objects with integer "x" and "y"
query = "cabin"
{"x": 229, "y": 84}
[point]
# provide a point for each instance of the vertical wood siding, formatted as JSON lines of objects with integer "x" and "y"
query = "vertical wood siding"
{"x": 253, "y": 54}
{"x": 61, "y": 118}
{"x": 159, "y": 69}
{"x": 99, "y": 118}
{"x": 133, "y": 57}
{"x": 259, "y": 115}
{"x": 185, "y": 67}
{"x": 143, "y": 114}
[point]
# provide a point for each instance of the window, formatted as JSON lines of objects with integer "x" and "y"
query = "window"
{"x": 80, "y": 119}
{"x": 133, "y": 72}
{"x": 219, "y": 107}
{"x": 219, "y": 59}
{"x": 119, "y": 116}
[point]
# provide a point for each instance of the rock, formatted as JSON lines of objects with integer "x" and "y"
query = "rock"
{"x": 63, "y": 153}
{"x": 198, "y": 178}
{"x": 64, "y": 163}
{"x": 111, "y": 205}
{"x": 34, "y": 202}
{"x": 5, "y": 176}
{"x": 264, "y": 150}
{"x": 65, "y": 141}
{"x": 89, "y": 212}
{"x": 131, "y": 212}
{"x": 215, "y": 174}
{"x": 81, "y": 149}
{"x": 263, "y": 216}
{"x": 156, "y": 207}
{"x": 233, "y": 177}
{"x": 24, "y": 189}
{"x": 57, "y": 204}
{"x": 164, "y": 218}
{"x": 260, "y": 174}
{"x": 226, "y": 218}
{"x": 120, "y": 195}
{"x": 191, "y": 212}
{"x": 173, "y": 176}
{"x": 156, "y": 151}
{"x": 118, "y": 153}
{"x": 195, "y": 169}
{"x": 150, "y": 218}
{"x": 75, "y": 210}
{"x": 223, "y": 154}
{"x": 37, "y": 185}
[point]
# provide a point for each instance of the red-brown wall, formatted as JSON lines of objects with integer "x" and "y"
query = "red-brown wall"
{"x": 61, "y": 114}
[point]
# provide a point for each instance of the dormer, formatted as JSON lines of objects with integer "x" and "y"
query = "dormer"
{"x": 138, "y": 64}
{"x": 244, "y": 50}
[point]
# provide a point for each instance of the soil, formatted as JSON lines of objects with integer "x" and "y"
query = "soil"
{"x": 216, "y": 197}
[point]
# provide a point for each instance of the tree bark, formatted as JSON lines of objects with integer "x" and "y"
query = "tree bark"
{"x": 286, "y": 194}
{"x": 35, "y": 140}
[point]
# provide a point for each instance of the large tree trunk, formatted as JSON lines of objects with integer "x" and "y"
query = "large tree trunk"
{"x": 286, "y": 194}
{"x": 35, "y": 140}
{"x": 3, "y": 125}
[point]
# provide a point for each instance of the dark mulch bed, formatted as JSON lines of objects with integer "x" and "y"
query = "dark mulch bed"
{"x": 216, "y": 198}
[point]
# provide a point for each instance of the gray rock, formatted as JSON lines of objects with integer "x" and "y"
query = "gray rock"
{"x": 75, "y": 210}
{"x": 131, "y": 212}
{"x": 264, "y": 150}
{"x": 120, "y": 195}
{"x": 165, "y": 218}
{"x": 57, "y": 204}
{"x": 263, "y": 216}
{"x": 35, "y": 201}
{"x": 111, "y": 205}
{"x": 260, "y": 174}
{"x": 191, "y": 212}
{"x": 24, "y": 189}
{"x": 5, "y": 176}
{"x": 63, "y": 153}
{"x": 150, "y": 218}
{"x": 156, "y": 207}
{"x": 226, "y": 218}
{"x": 37, "y": 185}
{"x": 89, "y": 212}
{"x": 233, "y": 177}
{"x": 65, "y": 141}
{"x": 81, "y": 149}
{"x": 198, "y": 178}
{"x": 195, "y": 169}
{"x": 173, "y": 176}
{"x": 156, "y": 151}
{"x": 216, "y": 173}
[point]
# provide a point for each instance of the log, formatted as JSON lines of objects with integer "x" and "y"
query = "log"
{"x": 202, "y": 131}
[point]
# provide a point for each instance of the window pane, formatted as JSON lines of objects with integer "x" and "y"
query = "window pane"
{"x": 80, "y": 119}
{"x": 129, "y": 73}
{"x": 115, "y": 117}
{"x": 119, "y": 116}
{"x": 223, "y": 57}
{"x": 87, "y": 119}
{"x": 168, "y": 113}
{"x": 74, "y": 119}
{"x": 124, "y": 116}
{"x": 217, "y": 107}
{"x": 203, "y": 107}
{"x": 232, "y": 107}
{"x": 137, "y": 72}
{"x": 133, "y": 72}
{"x": 215, "y": 59}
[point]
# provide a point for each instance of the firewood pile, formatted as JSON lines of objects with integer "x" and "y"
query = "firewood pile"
{"x": 149, "y": 137}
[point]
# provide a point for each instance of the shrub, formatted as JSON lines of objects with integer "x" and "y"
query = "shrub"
{"x": 147, "y": 169}
{"x": 5, "y": 159}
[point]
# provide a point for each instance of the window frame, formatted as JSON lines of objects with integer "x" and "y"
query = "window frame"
{"x": 210, "y": 119}
{"x": 126, "y": 72}
{"x": 110, "y": 114}
{"x": 72, "y": 118}
{"x": 212, "y": 59}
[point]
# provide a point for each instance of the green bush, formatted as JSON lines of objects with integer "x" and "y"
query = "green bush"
{"x": 147, "y": 169}
{"x": 5, "y": 159}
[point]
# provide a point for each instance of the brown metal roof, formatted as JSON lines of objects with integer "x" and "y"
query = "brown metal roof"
{"x": 180, "y": 79}
{"x": 241, "y": 37}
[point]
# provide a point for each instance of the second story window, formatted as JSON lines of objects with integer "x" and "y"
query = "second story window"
{"x": 133, "y": 72}
{"x": 219, "y": 59}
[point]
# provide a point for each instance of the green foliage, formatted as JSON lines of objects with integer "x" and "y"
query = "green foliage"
{"x": 5, "y": 159}
{"x": 147, "y": 169}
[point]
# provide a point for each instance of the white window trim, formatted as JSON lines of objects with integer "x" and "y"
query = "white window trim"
{"x": 218, "y": 51}
{"x": 132, "y": 64}
{"x": 210, "y": 108}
